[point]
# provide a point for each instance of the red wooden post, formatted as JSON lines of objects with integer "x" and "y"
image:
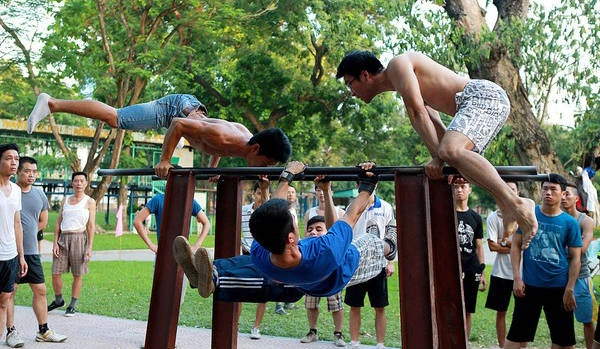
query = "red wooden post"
{"x": 163, "y": 315}
{"x": 446, "y": 267}
{"x": 431, "y": 305}
{"x": 416, "y": 313}
{"x": 227, "y": 244}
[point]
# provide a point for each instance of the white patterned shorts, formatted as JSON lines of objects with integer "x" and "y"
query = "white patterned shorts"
{"x": 482, "y": 108}
{"x": 372, "y": 258}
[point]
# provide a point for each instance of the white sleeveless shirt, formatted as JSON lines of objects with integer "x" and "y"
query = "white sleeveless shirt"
{"x": 75, "y": 217}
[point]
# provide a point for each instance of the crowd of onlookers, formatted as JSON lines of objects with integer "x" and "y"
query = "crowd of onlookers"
{"x": 551, "y": 273}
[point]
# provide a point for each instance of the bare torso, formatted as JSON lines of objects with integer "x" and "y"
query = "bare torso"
{"x": 438, "y": 85}
{"x": 216, "y": 137}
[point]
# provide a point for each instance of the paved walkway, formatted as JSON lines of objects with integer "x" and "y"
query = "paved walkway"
{"x": 102, "y": 332}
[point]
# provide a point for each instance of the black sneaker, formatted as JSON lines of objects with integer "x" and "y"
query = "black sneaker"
{"x": 70, "y": 312}
{"x": 53, "y": 305}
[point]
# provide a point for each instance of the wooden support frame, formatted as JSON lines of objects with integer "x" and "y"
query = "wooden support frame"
{"x": 227, "y": 244}
{"x": 163, "y": 314}
{"x": 431, "y": 305}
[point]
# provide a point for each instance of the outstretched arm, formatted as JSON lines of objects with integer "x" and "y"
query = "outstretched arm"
{"x": 330, "y": 210}
{"x": 174, "y": 133}
{"x": 291, "y": 169}
{"x": 366, "y": 186}
{"x": 402, "y": 74}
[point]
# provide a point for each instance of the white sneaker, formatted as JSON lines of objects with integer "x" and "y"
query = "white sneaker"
{"x": 255, "y": 333}
{"x": 50, "y": 336}
{"x": 39, "y": 112}
{"x": 14, "y": 340}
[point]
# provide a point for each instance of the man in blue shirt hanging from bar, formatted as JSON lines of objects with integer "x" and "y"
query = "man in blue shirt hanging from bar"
{"x": 281, "y": 267}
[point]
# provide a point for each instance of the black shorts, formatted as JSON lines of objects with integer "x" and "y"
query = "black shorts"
{"x": 470, "y": 288}
{"x": 527, "y": 315}
{"x": 376, "y": 288}
{"x": 8, "y": 274}
{"x": 499, "y": 294}
{"x": 40, "y": 235}
{"x": 35, "y": 271}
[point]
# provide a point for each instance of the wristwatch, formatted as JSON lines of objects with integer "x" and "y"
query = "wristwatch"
{"x": 503, "y": 243}
{"x": 286, "y": 176}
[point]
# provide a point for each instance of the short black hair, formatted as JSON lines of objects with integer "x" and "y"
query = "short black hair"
{"x": 255, "y": 186}
{"x": 315, "y": 219}
{"x": 9, "y": 146}
{"x": 270, "y": 225}
{"x": 354, "y": 62}
{"x": 79, "y": 173}
{"x": 274, "y": 143}
{"x": 26, "y": 159}
{"x": 556, "y": 179}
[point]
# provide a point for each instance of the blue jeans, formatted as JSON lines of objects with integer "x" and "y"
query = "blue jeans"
{"x": 238, "y": 280}
{"x": 158, "y": 113}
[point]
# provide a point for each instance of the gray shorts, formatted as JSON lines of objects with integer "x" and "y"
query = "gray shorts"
{"x": 157, "y": 114}
{"x": 372, "y": 259}
{"x": 481, "y": 110}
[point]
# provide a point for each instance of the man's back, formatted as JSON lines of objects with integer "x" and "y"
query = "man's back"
{"x": 438, "y": 85}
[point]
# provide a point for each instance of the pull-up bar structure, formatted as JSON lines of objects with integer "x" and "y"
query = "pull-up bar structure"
{"x": 429, "y": 271}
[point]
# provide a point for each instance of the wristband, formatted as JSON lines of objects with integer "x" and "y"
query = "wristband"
{"x": 286, "y": 176}
{"x": 367, "y": 186}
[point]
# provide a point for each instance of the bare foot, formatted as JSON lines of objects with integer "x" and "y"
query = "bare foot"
{"x": 524, "y": 214}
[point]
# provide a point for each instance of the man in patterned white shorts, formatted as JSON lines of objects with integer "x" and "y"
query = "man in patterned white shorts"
{"x": 479, "y": 107}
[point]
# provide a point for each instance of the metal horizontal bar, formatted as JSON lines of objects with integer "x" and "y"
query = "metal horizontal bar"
{"x": 275, "y": 171}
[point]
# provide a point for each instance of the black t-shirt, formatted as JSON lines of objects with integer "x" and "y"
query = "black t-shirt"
{"x": 470, "y": 227}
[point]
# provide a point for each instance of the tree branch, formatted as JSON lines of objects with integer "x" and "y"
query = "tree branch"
{"x": 222, "y": 100}
{"x": 111, "y": 60}
{"x": 319, "y": 53}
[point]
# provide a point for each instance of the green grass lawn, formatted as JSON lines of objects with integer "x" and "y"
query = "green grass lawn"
{"x": 122, "y": 289}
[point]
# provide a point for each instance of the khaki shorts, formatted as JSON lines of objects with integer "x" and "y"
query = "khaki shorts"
{"x": 71, "y": 257}
{"x": 334, "y": 303}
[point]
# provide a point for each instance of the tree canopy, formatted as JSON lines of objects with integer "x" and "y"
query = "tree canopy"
{"x": 272, "y": 63}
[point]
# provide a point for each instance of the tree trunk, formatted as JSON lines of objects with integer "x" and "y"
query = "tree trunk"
{"x": 532, "y": 146}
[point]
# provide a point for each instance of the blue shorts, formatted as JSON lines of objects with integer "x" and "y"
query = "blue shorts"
{"x": 583, "y": 298}
{"x": 158, "y": 113}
